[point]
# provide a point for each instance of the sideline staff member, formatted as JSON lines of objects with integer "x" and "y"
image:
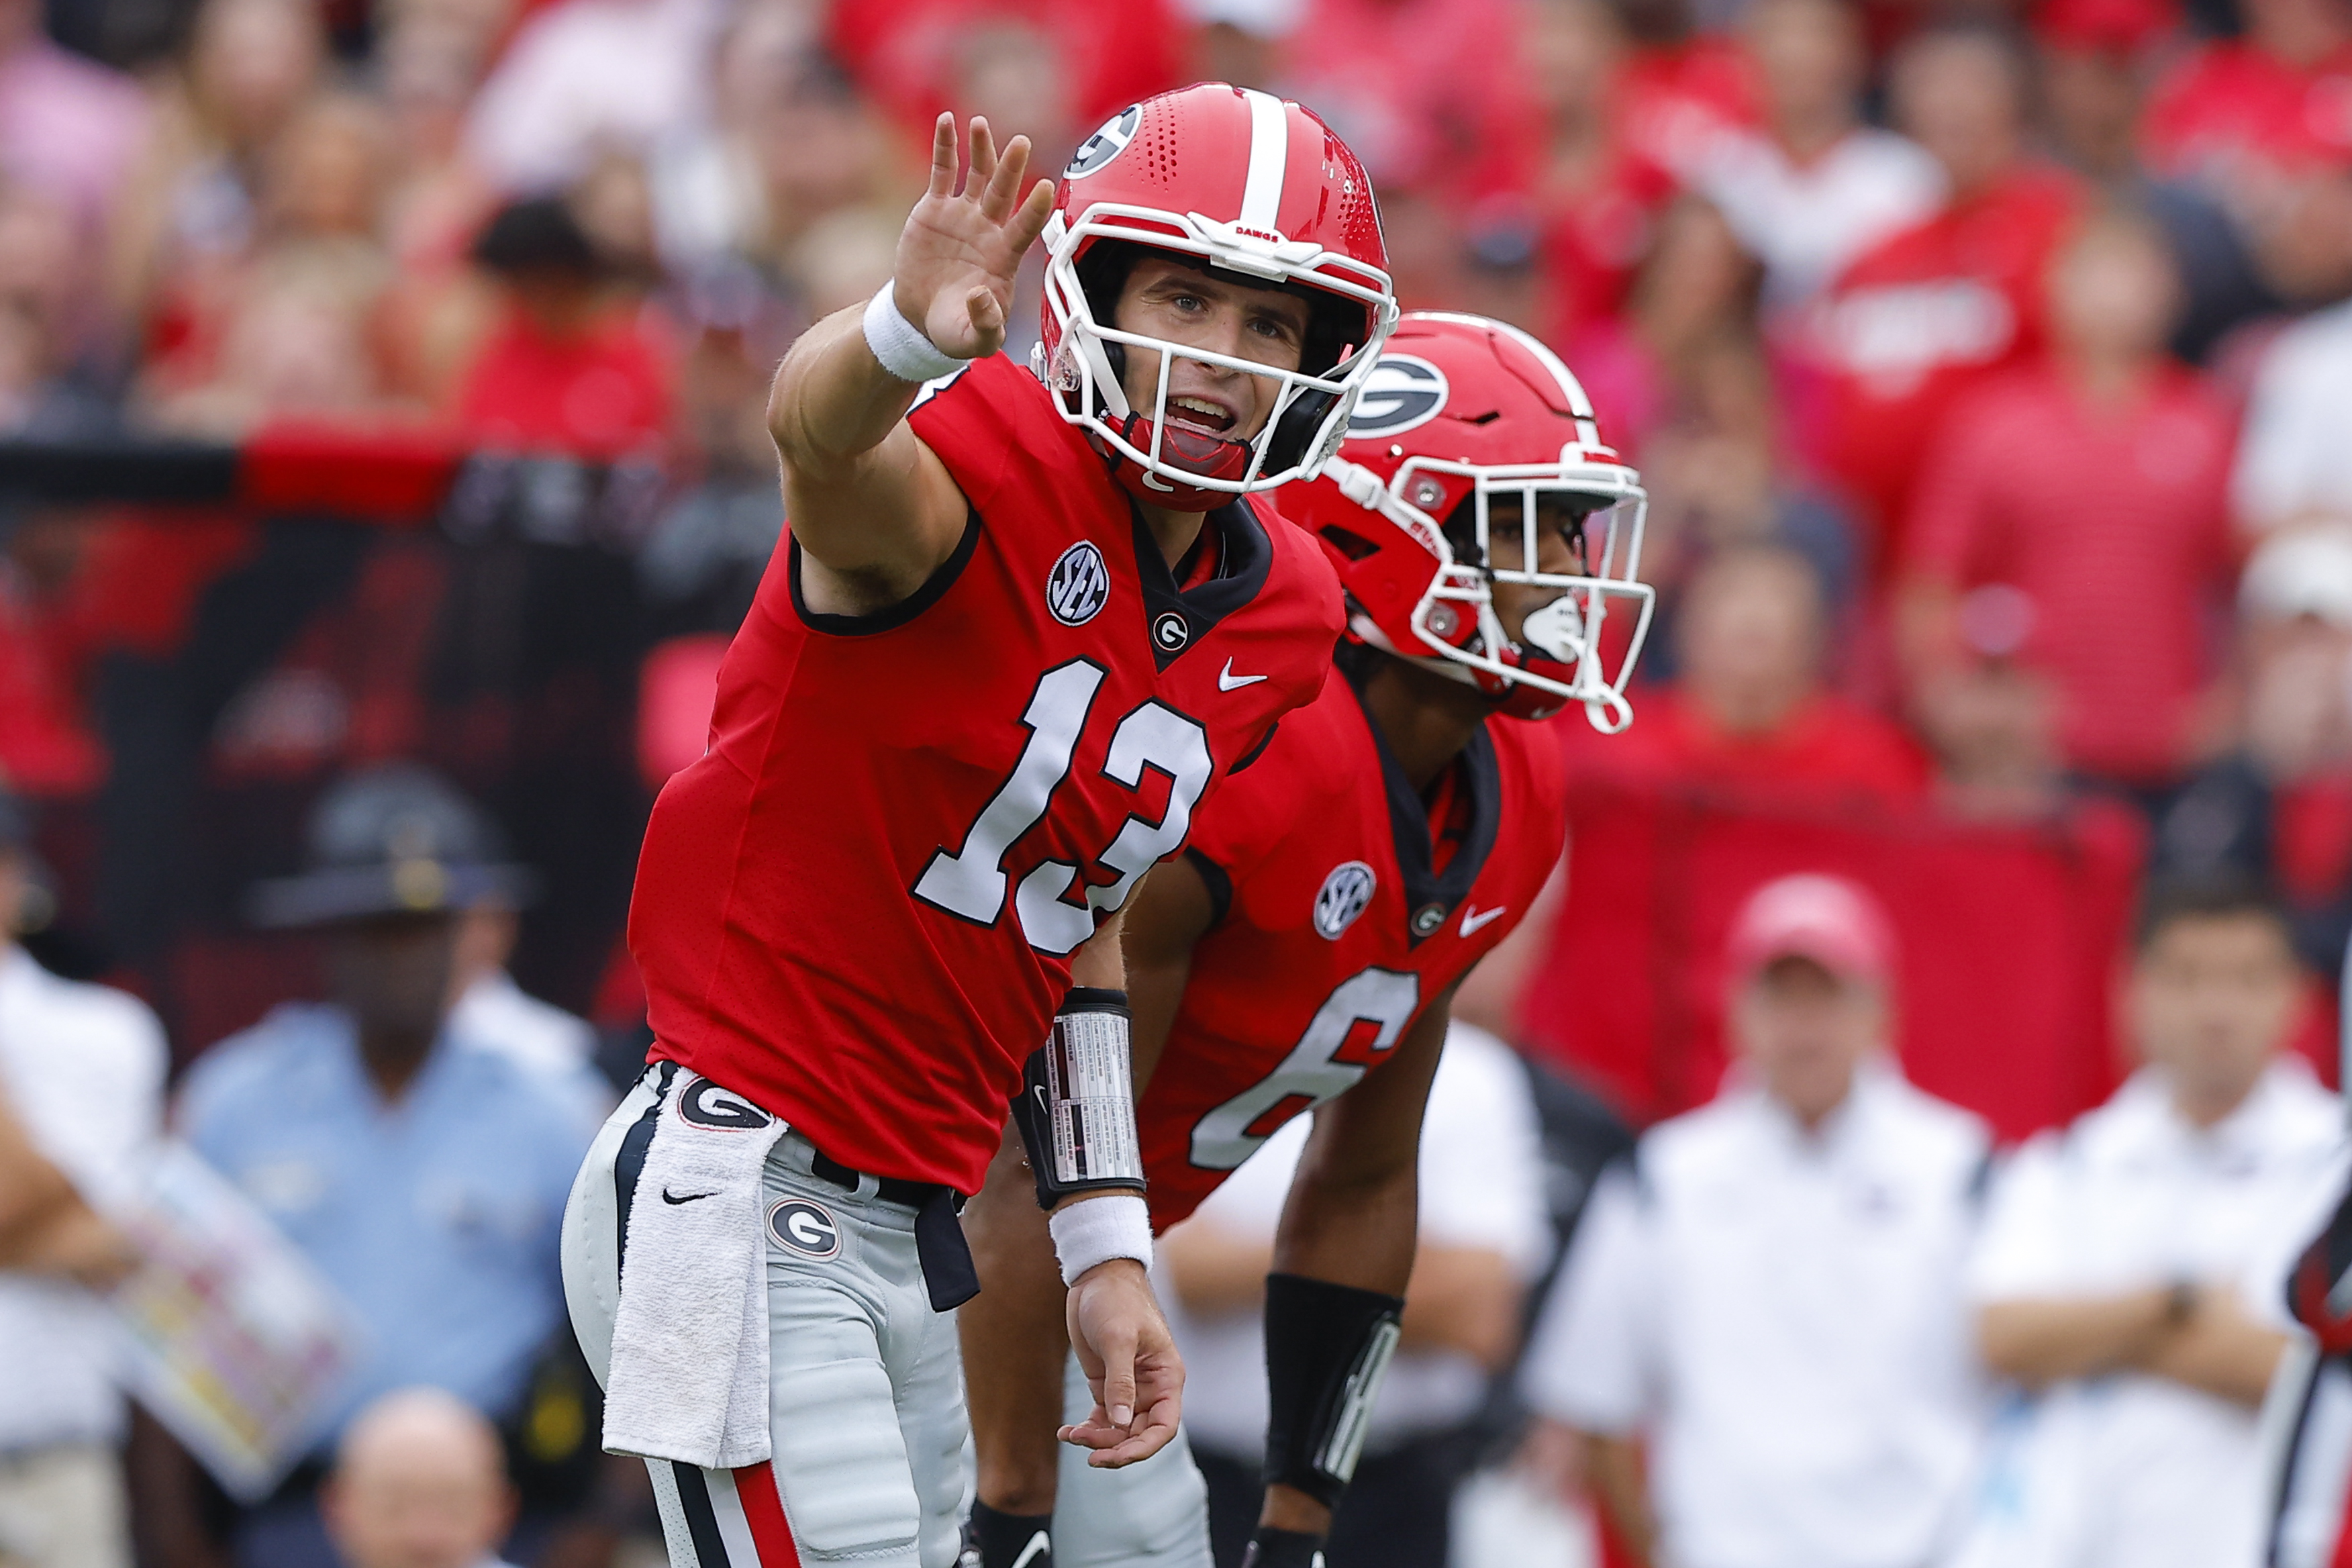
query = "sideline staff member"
{"x": 1773, "y": 1294}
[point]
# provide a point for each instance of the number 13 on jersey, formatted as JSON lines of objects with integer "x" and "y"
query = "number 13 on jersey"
{"x": 971, "y": 883}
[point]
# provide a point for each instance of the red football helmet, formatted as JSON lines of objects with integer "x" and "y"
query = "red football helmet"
{"x": 1460, "y": 412}
{"x": 1254, "y": 187}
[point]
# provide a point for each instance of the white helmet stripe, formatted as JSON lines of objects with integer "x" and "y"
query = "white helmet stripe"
{"x": 1269, "y": 155}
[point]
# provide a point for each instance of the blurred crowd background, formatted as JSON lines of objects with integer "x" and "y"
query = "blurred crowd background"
{"x": 1987, "y": 362}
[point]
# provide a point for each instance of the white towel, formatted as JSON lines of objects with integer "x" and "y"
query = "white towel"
{"x": 689, "y": 1374}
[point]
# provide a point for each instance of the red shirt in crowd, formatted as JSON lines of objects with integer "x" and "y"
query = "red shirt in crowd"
{"x": 1828, "y": 750}
{"x": 1672, "y": 103}
{"x": 2233, "y": 99}
{"x": 2114, "y": 523}
{"x": 1921, "y": 317}
{"x": 1427, "y": 92}
{"x": 599, "y": 395}
{"x": 905, "y": 53}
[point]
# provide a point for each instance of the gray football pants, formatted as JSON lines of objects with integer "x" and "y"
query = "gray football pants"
{"x": 1155, "y": 1512}
{"x": 866, "y": 1393}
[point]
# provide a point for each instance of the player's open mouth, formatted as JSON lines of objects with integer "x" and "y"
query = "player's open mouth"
{"x": 1201, "y": 414}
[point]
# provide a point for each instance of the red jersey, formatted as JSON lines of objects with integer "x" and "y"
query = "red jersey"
{"x": 2232, "y": 101}
{"x": 1925, "y": 313}
{"x": 1340, "y": 925}
{"x": 858, "y": 909}
{"x": 2114, "y": 523}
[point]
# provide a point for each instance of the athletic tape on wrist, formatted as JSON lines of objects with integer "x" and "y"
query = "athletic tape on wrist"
{"x": 1077, "y": 1109}
{"x": 1326, "y": 1348}
{"x": 905, "y": 350}
{"x": 1094, "y": 1230}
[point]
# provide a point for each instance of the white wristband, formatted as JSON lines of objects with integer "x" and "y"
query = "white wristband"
{"x": 1088, "y": 1231}
{"x": 901, "y": 346}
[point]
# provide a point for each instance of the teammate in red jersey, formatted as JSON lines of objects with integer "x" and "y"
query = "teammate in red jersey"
{"x": 1024, "y": 623}
{"x": 1330, "y": 900}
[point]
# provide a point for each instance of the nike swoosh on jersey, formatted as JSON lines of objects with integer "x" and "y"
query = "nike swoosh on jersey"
{"x": 1476, "y": 920}
{"x": 1038, "y": 1544}
{"x": 1226, "y": 682}
{"x": 670, "y": 1197}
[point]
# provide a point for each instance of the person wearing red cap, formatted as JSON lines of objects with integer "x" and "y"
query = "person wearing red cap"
{"x": 1767, "y": 1301}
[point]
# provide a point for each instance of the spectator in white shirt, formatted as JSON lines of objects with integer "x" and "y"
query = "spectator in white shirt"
{"x": 82, "y": 1081}
{"x": 1484, "y": 1234}
{"x": 2294, "y": 459}
{"x": 2130, "y": 1268}
{"x": 1815, "y": 187}
{"x": 1770, "y": 1296}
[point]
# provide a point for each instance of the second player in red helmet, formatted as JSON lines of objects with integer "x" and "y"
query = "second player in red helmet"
{"x": 1303, "y": 953}
{"x": 990, "y": 676}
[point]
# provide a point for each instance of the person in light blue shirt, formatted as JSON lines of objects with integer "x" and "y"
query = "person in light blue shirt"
{"x": 433, "y": 1212}
{"x": 424, "y": 1174}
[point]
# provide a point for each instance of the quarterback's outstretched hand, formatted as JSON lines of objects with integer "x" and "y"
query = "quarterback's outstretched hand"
{"x": 959, "y": 250}
{"x": 1131, "y": 1362}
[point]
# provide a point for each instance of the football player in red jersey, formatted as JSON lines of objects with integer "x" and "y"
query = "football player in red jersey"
{"x": 1329, "y": 903}
{"x": 1024, "y": 623}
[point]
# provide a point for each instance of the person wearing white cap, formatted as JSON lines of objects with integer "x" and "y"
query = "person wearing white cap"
{"x": 2129, "y": 1278}
{"x": 1770, "y": 1294}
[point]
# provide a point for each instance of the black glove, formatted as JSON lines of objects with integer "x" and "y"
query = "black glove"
{"x": 1271, "y": 1548}
{"x": 993, "y": 1540}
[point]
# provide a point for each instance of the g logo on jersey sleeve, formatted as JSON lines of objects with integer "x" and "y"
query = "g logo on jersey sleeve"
{"x": 1106, "y": 143}
{"x": 1346, "y": 893}
{"x": 806, "y": 1227}
{"x": 1400, "y": 392}
{"x": 1079, "y": 584}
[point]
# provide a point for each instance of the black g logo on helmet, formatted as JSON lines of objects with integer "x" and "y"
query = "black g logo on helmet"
{"x": 1400, "y": 392}
{"x": 1106, "y": 143}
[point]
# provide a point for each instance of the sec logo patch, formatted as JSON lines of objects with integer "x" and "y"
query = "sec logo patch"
{"x": 1345, "y": 893}
{"x": 1079, "y": 584}
{"x": 805, "y": 1227}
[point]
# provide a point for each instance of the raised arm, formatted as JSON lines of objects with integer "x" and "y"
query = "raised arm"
{"x": 874, "y": 510}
